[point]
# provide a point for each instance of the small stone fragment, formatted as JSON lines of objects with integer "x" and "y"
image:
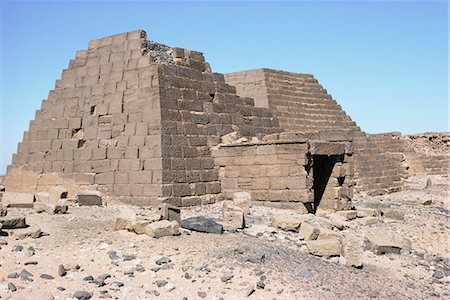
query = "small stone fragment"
{"x": 308, "y": 231}
{"x": 201, "y": 294}
{"x": 61, "y": 271}
{"x": 226, "y": 277}
{"x": 163, "y": 260}
{"x": 260, "y": 284}
{"x": 82, "y": 295}
{"x": 12, "y": 287}
{"x": 161, "y": 283}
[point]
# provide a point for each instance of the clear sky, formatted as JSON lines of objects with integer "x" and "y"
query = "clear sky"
{"x": 385, "y": 62}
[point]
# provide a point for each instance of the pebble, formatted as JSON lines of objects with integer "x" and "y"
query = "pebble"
{"x": 261, "y": 285}
{"x": 61, "y": 271}
{"x": 250, "y": 290}
{"x": 61, "y": 288}
{"x": 140, "y": 268}
{"x": 226, "y": 277}
{"x": 187, "y": 276}
{"x": 12, "y": 287}
{"x": 88, "y": 278}
{"x": 82, "y": 295}
{"x": 30, "y": 263}
{"x": 24, "y": 273}
{"x": 18, "y": 248}
{"x": 169, "y": 287}
{"x": 47, "y": 277}
{"x": 117, "y": 284}
{"x": 113, "y": 255}
{"x": 153, "y": 292}
{"x": 202, "y": 294}
{"x": 129, "y": 257}
{"x": 438, "y": 275}
{"x": 163, "y": 260}
{"x": 13, "y": 275}
{"x": 161, "y": 283}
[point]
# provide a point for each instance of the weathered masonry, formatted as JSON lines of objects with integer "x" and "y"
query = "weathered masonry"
{"x": 142, "y": 123}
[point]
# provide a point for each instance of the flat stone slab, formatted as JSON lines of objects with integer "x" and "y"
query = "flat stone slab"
{"x": 23, "y": 200}
{"x": 202, "y": 224}
{"x": 13, "y": 222}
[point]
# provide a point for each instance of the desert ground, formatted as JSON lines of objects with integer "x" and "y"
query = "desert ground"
{"x": 81, "y": 256}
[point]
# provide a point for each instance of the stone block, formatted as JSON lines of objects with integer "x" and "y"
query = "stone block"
{"x": 394, "y": 214}
{"x": 23, "y": 200}
{"x": 308, "y": 231}
{"x": 367, "y": 220}
{"x": 326, "y": 234}
{"x": 243, "y": 200}
{"x": 338, "y": 221}
{"x": 352, "y": 250}
{"x": 287, "y": 221}
{"x": 233, "y": 216}
{"x": 89, "y": 198}
{"x": 13, "y": 222}
{"x": 162, "y": 228}
{"x": 60, "y": 207}
{"x": 169, "y": 212}
{"x": 367, "y": 212}
{"x": 348, "y": 214}
{"x": 324, "y": 148}
{"x": 329, "y": 247}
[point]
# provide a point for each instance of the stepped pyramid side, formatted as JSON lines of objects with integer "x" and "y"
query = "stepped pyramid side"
{"x": 301, "y": 104}
{"x": 134, "y": 120}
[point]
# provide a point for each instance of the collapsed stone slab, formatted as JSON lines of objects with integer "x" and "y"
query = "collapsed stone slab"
{"x": 202, "y": 224}
{"x": 89, "y": 198}
{"x": 162, "y": 228}
{"x": 328, "y": 247}
{"x": 24, "y": 200}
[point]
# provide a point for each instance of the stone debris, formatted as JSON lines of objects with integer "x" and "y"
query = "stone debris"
{"x": 22, "y": 200}
{"x": 394, "y": 214}
{"x": 59, "y": 207}
{"x": 308, "y": 232}
{"x": 230, "y": 138}
{"x": 243, "y": 200}
{"x": 233, "y": 216}
{"x": 348, "y": 214}
{"x": 367, "y": 221}
{"x": 129, "y": 219}
{"x": 386, "y": 242}
{"x": 367, "y": 212}
{"x": 338, "y": 221}
{"x": 89, "y": 198}
{"x": 169, "y": 212}
{"x": 202, "y": 224}
{"x": 329, "y": 247}
{"x": 352, "y": 250}
{"x": 3, "y": 210}
{"x": 13, "y": 222}
{"x": 162, "y": 228}
{"x": 287, "y": 221}
{"x": 33, "y": 233}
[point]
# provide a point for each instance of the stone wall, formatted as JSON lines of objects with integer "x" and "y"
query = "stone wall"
{"x": 279, "y": 171}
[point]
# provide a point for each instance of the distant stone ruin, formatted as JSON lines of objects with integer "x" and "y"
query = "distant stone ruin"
{"x": 145, "y": 124}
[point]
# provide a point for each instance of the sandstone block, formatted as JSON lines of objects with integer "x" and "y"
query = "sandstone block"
{"x": 329, "y": 247}
{"x": 367, "y": 220}
{"x": 326, "y": 234}
{"x": 308, "y": 231}
{"x": 56, "y": 193}
{"x": 348, "y": 214}
{"x": 32, "y": 233}
{"x": 243, "y": 200}
{"x": 18, "y": 199}
{"x": 51, "y": 208}
{"x": 352, "y": 250}
{"x": 393, "y": 214}
{"x": 233, "y": 216}
{"x": 13, "y": 222}
{"x": 162, "y": 228}
{"x": 286, "y": 221}
{"x": 125, "y": 219}
{"x": 338, "y": 221}
{"x": 386, "y": 242}
{"x": 367, "y": 212}
{"x": 89, "y": 198}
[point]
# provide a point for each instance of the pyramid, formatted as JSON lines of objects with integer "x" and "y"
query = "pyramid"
{"x": 136, "y": 120}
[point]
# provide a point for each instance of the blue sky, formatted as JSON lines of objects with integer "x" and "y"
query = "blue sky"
{"x": 385, "y": 62}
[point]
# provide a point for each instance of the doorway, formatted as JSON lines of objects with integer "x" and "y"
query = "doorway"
{"x": 322, "y": 169}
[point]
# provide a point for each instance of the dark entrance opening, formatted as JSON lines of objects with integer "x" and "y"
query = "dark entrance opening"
{"x": 322, "y": 168}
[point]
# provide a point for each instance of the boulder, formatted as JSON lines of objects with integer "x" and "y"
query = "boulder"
{"x": 89, "y": 198}
{"x": 386, "y": 242}
{"x": 308, "y": 231}
{"x": 13, "y": 222}
{"x": 24, "y": 200}
{"x": 329, "y": 247}
{"x": 230, "y": 138}
{"x": 347, "y": 214}
{"x": 162, "y": 228}
{"x": 352, "y": 250}
{"x": 233, "y": 216}
{"x": 287, "y": 221}
{"x": 202, "y": 224}
{"x": 243, "y": 200}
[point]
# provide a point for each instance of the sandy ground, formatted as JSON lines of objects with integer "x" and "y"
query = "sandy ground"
{"x": 274, "y": 265}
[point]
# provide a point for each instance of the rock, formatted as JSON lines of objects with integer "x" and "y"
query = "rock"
{"x": 129, "y": 220}
{"x": 287, "y": 221}
{"x": 82, "y": 295}
{"x": 23, "y": 200}
{"x": 393, "y": 214}
{"x": 260, "y": 284}
{"x": 60, "y": 288}
{"x": 12, "y": 287}
{"x": 162, "y": 228}
{"x": 33, "y": 233}
{"x": 113, "y": 255}
{"x": 428, "y": 184}
{"x": 367, "y": 212}
{"x": 47, "y": 277}
{"x": 201, "y": 294}
{"x": 308, "y": 232}
{"x": 3, "y": 210}
{"x": 326, "y": 234}
{"x": 385, "y": 242}
{"x": 348, "y": 214}
{"x": 352, "y": 250}
{"x": 56, "y": 193}
{"x": 13, "y": 275}
{"x": 161, "y": 283}
{"x": 338, "y": 221}
{"x": 256, "y": 230}
{"x": 89, "y": 198}
{"x": 202, "y": 224}
{"x": 169, "y": 287}
{"x": 243, "y": 200}
{"x": 71, "y": 267}
{"x": 42, "y": 197}
{"x": 127, "y": 216}
{"x": 169, "y": 212}
{"x": 103, "y": 276}
{"x": 438, "y": 274}
{"x": 88, "y": 278}
{"x": 230, "y": 138}
{"x": 51, "y": 208}
{"x": 32, "y": 262}
{"x": 367, "y": 220}
{"x": 61, "y": 271}
{"x": 330, "y": 247}
{"x": 427, "y": 202}
{"x": 25, "y": 274}
{"x": 29, "y": 251}
{"x": 249, "y": 290}
{"x": 13, "y": 222}
{"x": 233, "y": 216}
{"x": 163, "y": 260}
{"x": 226, "y": 277}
